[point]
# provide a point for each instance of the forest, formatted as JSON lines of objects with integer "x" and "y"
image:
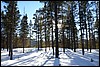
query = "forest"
{"x": 59, "y": 24}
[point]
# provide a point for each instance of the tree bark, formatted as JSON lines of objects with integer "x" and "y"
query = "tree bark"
{"x": 56, "y": 31}
{"x": 23, "y": 44}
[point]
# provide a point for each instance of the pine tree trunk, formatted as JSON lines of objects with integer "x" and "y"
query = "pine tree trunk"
{"x": 81, "y": 16}
{"x": 63, "y": 42}
{"x": 52, "y": 40}
{"x": 45, "y": 28}
{"x": 38, "y": 37}
{"x": 73, "y": 29}
{"x": 40, "y": 40}
{"x": 71, "y": 40}
{"x": 52, "y": 29}
{"x": 16, "y": 41}
{"x": 83, "y": 41}
{"x": 2, "y": 41}
{"x": 11, "y": 45}
{"x": 56, "y": 31}
{"x": 23, "y": 44}
{"x": 89, "y": 38}
{"x": 69, "y": 37}
{"x": 9, "y": 42}
{"x": 45, "y": 37}
{"x": 49, "y": 43}
{"x": 86, "y": 37}
{"x": 94, "y": 42}
{"x": 74, "y": 40}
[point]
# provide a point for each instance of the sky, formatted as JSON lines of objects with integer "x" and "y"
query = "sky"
{"x": 27, "y": 7}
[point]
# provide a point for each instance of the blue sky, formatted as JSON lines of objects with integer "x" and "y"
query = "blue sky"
{"x": 30, "y": 8}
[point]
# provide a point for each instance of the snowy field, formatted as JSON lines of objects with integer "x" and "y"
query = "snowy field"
{"x": 33, "y": 57}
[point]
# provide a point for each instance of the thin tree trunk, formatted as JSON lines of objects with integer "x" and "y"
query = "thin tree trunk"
{"x": 40, "y": 40}
{"x": 89, "y": 38}
{"x": 83, "y": 41}
{"x": 7, "y": 43}
{"x": 38, "y": 37}
{"x": 23, "y": 44}
{"x": 63, "y": 42}
{"x": 94, "y": 42}
{"x": 52, "y": 29}
{"x": 71, "y": 40}
{"x": 69, "y": 37}
{"x": 3, "y": 43}
{"x": 45, "y": 37}
{"x": 74, "y": 40}
{"x": 63, "y": 33}
{"x": 45, "y": 27}
{"x": 11, "y": 32}
{"x": 56, "y": 31}
{"x": 52, "y": 40}
{"x": 30, "y": 37}
{"x": 73, "y": 29}
{"x": 16, "y": 40}
{"x": 11, "y": 45}
{"x": 86, "y": 37}
{"x": 80, "y": 15}
{"x": 49, "y": 42}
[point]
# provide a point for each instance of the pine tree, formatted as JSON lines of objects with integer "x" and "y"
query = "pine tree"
{"x": 45, "y": 23}
{"x": 81, "y": 24}
{"x": 96, "y": 25}
{"x": 10, "y": 23}
{"x": 24, "y": 30}
{"x": 30, "y": 26}
{"x": 2, "y": 30}
{"x": 36, "y": 27}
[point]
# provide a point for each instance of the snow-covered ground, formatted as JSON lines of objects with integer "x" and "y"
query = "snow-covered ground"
{"x": 33, "y": 57}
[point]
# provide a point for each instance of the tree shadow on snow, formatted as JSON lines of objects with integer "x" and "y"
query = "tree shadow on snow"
{"x": 24, "y": 54}
{"x": 81, "y": 61}
{"x": 4, "y": 58}
{"x": 28, "y": 60}
{"x": 23, "y": 61}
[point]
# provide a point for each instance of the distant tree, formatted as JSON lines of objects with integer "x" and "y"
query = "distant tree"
{"x": 40, "y": 27}
{"x": 24, "y": 30}
{"x": 30, "y": 26}
{"x": 36, "y": 26}
{"x": 45, "y": 6}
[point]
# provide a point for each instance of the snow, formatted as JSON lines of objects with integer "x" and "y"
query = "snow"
{"x": 33, "y": 57}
